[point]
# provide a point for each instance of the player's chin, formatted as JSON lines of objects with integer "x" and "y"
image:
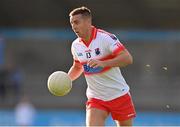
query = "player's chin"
{"x": 77, "y": 34}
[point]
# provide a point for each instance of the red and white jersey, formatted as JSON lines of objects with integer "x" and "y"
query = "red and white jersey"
{"x": 103, "y": 83}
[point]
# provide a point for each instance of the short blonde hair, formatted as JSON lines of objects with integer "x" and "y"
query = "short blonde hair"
{"x": 84, "y": 11}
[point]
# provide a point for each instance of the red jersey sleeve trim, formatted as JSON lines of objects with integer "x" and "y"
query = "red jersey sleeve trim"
{"x": 118, "y": 50}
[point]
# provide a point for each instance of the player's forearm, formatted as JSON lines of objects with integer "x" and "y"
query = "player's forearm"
{"x": 75, "y": 72}
{"x": 119, "y": 61}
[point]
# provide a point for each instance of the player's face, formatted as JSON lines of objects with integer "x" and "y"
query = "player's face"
{"x": 79, "y": 25}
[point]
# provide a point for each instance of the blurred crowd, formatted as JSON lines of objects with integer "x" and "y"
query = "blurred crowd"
{"x": 11, "y": 77}
{"x": 25, "y": 112}
{"x": 10, "y": 82}
{"x": 11, "y": 90}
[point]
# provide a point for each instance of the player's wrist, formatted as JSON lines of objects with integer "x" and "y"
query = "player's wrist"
{"x": 105, "y": 64}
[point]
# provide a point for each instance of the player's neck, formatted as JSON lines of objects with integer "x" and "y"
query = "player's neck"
{"x": 87, "y": 35}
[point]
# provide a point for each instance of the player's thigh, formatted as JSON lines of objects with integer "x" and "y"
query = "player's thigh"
{"x": 96, "y": 117}
{"x": 128, "y": 122}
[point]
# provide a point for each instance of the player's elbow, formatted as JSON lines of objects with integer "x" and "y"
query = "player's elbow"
{"x": 130, "y": 60}
{"x": 128, "y": 57}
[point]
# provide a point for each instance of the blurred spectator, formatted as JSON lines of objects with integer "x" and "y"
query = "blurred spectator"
{"x": 2, "y": 47}
{"x": 3, "y": 79}
{"x": 2, "y": 72}
{"x": 24, "y": 112}
{"x": 14, "y": 80}
{"x": 10, "y": 81}
{"x": 10, "y": 74}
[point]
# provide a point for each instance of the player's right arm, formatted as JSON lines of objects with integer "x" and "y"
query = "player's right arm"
{"x": 75, "y": 71}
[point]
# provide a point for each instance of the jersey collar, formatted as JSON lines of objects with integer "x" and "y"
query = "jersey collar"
{"x": 93, "y": 36}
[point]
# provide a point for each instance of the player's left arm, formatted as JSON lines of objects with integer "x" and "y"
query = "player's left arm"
{"x": 121, "y": 59}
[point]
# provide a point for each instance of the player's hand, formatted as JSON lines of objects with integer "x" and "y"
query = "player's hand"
{"x": 95, "y": 63}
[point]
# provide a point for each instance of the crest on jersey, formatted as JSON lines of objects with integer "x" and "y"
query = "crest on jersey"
{"x": 113, "y": 37}
{"x": 97, "y": 51}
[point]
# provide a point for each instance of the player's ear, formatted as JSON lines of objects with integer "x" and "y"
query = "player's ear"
{"x": 89, "y": 20}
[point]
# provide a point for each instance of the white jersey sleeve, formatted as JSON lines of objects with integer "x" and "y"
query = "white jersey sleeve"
{"x": 115, "y": 46}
